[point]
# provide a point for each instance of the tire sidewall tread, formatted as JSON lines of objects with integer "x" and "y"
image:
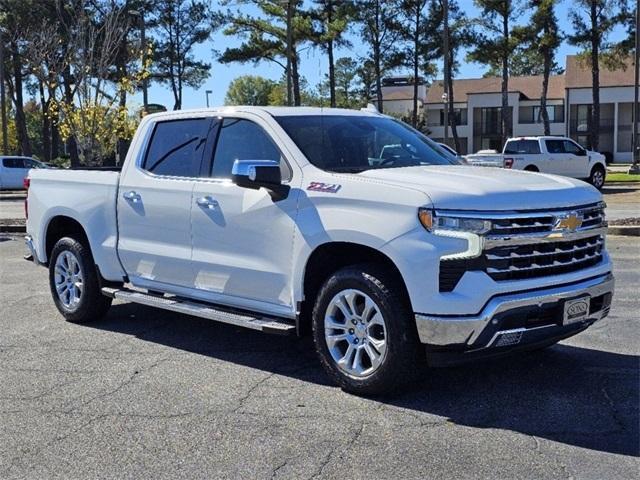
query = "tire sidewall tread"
{"x": 403, "y": 352}
{"x": 93, "y": 305}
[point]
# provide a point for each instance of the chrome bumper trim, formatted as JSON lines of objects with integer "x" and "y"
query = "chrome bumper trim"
{"x": 464, "y": 330}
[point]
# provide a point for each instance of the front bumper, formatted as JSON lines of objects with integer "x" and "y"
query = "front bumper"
{"x": 516, "y": 319}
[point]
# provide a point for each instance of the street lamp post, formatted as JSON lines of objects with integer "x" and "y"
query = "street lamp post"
{"x": 445, "y": 98}
{"x": 207, "y": 93}
{"x": 143, "y": 46}
{"x": 445, "y": 50}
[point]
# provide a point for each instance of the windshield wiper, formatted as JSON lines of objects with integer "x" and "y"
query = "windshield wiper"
{"x": 348, "y": 169}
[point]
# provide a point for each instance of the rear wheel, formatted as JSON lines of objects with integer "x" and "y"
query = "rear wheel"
{"x": 74, "y": 284}
{"x": 364, "y": 332}
{"x": 597, "y": 177}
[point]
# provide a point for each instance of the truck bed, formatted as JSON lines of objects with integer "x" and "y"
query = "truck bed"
{"x": 87, "y": 196}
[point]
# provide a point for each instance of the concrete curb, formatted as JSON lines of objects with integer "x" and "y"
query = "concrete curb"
{"x": 13, "y": 229}
{"x": 625, "y": 230}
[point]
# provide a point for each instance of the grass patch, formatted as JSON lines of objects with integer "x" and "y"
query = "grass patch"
{"x": 619, "y": 177}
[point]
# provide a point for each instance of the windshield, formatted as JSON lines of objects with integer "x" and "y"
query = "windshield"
{"x": 346, "y": 143}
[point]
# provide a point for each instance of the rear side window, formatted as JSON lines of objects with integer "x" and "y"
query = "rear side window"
{"x": 13, "y": 162}
{"x": 555, "y": 146}
{"x": 241, "y": 139}
{"x": 176, "y": 147}
{"x": 522, "y": 147}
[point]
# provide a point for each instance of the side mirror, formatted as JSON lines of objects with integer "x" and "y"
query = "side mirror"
{"x": 256, "y": 174}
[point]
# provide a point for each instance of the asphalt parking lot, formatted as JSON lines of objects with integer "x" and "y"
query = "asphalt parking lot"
{"x": 150, "y": 394}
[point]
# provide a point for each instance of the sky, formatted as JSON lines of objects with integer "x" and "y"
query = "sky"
{"x": 313, "y": 63}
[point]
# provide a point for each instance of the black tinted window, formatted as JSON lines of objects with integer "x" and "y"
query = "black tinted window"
{"x": 570, "y": 147}
{"x": 554, "y": 146}
{"x": 14, "y": 163}
{"x": 356, "y": 143}
{"x": 522, "y": 147}
{"x": 241, "y": 139}
{"x": 176, "y": 147}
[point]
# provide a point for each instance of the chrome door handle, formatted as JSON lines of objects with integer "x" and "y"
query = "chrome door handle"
{"x": 207, "y": 202}
{"x": 132, "y": 196}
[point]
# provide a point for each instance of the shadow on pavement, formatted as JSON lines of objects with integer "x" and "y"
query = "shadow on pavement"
{"x": 577, "y": 396}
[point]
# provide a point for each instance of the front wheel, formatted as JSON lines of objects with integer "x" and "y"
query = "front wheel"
{"x": 74, "y": 284}
{"x": 364, "y": 332}
{"x": 597, "y": 177}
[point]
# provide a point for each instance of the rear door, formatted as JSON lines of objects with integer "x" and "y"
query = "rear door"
{"x": 155, "y": 201}
{"x": 242, "y": 238}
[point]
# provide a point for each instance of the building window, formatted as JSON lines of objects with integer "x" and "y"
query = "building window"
{"x": 625, "y": 126}
{"x": 436, "y": 117}
{"x": 533, "y": 114}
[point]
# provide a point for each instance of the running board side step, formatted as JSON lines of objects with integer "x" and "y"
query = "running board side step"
{"x": 179, "y": 305}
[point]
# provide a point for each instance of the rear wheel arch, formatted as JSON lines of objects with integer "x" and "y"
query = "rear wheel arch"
{"x": 63, "y": 226}
{"x": 531, "y": 168}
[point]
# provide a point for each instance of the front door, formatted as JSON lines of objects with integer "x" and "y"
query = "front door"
{"x": 154, "y": 205}
{"x": 557, "y": 161}
{"x": 577, "y": 163}
{"x": 242, "y": 238}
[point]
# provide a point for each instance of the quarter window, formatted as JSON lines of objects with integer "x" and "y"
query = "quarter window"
{"x": 522, "y": 147}
{"x": 14, "y": 163}
{"x": 176, "y": 147}
{"x": 241, "y": 139}
{"x": 554, "y": 146}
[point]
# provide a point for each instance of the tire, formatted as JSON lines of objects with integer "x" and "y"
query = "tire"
{"x": 374, "y": 294}
{"x": 597, "y": 177}
{"x": 531, "y": 168}
{"x": 72, "y": 271}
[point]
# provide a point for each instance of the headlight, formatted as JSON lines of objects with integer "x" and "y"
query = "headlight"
{"x": 470, "y": 229}
{"x": 434, "y": 223}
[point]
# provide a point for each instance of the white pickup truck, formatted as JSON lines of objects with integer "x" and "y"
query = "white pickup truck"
{"x": 557, "y": 155}
{"x": 292, "y": 220}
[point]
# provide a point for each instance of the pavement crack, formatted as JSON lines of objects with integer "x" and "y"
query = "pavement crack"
{"x": 251, "y": 390}
{"x": 277, "y": 469}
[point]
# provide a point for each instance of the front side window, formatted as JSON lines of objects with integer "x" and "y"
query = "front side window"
{"x": 554, "y": 146}
{"x": 241, "y": 139}
{"x": 176, "y": 147}
{"x": 349, "y": 143}
{"x": 570, "y": 147}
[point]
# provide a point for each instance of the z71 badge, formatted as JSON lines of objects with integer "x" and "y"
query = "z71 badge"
{"x": 324, "y": 187}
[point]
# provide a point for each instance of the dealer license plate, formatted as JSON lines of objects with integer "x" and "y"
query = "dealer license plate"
{"x": 576, "y": 310}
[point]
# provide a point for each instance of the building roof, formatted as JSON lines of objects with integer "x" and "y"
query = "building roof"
{"x": 530, "y": 87}
{"x": 406, "y": 94}
{"x": 578, "y": 74}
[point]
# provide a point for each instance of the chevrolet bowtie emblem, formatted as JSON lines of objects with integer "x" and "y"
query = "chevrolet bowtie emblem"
{"x": 569, "y": 222}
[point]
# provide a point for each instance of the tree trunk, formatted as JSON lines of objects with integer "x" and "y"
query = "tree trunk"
{"x": 452, "y": 117}
{"x": 545, "y": 88}
{"x": 504, "y": 113}
{"x": 595, "y": 78}
{"x": 55, "y": 136}
{"x": 46, "y": 124}
{"x": 18, "y": 101}
{"x": 416, "y": 68}
{"x": 295, "y": 79}
{"x": 332, "y": 70}
{"x": 332, "y": 75}
{"x": 72, "y": 145}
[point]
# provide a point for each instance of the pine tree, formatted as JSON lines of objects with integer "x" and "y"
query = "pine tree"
{"x": 494, "y": 45}
{"x": 593, "y": 21}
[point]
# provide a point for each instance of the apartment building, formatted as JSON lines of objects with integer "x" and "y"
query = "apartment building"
{"x": 569, "y": 102}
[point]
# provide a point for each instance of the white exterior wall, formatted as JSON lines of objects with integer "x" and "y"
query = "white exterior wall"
{"x": 613, "y": 95}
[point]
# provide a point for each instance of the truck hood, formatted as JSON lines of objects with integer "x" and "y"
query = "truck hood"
{"x": 488, "y": 189}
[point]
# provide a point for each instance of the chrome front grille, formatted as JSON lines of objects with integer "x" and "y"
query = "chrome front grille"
{"x": 523, "y": 245}
{"x": 516, "y": 262}
{"x": 590, "y": 216}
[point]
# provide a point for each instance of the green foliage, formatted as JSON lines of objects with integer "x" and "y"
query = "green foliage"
{"x": 265, "y": 37}
{"x": 179, "y": 26}
{"x": 593, "y": 22}
{"x": 249, "y": 90}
